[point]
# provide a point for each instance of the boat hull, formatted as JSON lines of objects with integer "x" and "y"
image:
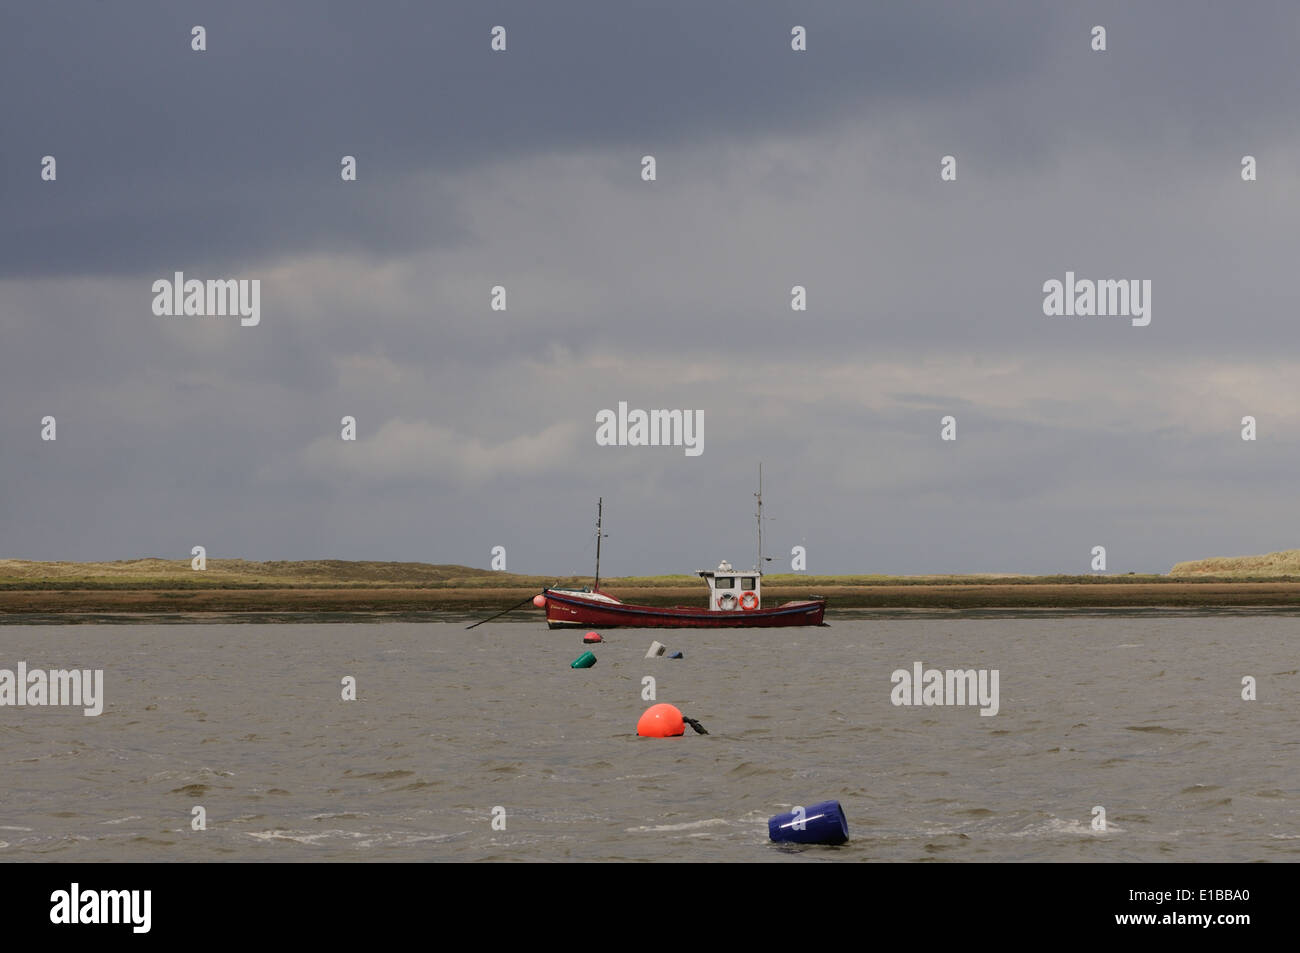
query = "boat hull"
{"x": 564, "y": 610}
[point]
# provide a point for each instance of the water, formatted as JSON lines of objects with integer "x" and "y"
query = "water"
{"x": 1140, "y": 715}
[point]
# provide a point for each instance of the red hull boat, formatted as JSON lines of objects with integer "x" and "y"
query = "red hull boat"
{"x": 735, "y": 600}
{"x": 566, "y": 608}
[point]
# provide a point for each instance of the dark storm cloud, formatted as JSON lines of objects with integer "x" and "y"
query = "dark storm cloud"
{"x": 231, "y": 156}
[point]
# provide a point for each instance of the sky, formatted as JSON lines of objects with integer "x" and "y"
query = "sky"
{"x": 522, "y": 168}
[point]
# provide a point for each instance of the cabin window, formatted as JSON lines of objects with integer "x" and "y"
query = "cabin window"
{"x": 724, "y": 582}
{"x": 748, "y": 582}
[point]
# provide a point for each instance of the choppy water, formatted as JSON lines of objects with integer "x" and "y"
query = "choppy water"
{"x": 1142, "y": 716}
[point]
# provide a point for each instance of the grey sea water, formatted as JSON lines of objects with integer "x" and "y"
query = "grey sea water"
{"x": 1140, "y": 715}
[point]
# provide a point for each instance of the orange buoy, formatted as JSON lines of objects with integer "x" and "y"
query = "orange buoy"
{"x": 592, "y": 637}
{"x": 539, "y": 600}
{"x": 660, "y": 721}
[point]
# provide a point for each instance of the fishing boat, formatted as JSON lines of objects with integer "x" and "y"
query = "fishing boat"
{"x": 735, "y": 599}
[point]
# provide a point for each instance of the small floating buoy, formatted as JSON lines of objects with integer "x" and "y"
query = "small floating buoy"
{"x": 677, "y": 655}
{"x": 592, "y": 637}
{"x": 822, "y": 823}
{"x": 585, "y": 660}
{"x": 661, "y": 721}
{"x": 656, "y": 650}
{"x": 539, "y": 600}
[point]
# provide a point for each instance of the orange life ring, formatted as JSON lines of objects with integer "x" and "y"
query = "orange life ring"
{"x": 748, "y": 600}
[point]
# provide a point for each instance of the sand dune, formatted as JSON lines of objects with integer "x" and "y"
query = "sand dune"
{"x": 1285, "y": 563}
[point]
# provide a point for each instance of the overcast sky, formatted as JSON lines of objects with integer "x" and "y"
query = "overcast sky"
{"x": 476, "y": 428}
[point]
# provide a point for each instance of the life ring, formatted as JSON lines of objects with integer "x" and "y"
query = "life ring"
{"x": 748, "y": 600}
{"x": 726, "y": 601}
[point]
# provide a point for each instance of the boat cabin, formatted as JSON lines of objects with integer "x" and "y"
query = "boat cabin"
{"x": 731, "y": 591}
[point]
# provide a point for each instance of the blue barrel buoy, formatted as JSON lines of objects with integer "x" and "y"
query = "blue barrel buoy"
{"x": 585, "y": 660}
{"x": 822, "y": 823}
{"x": 677, "y": 655}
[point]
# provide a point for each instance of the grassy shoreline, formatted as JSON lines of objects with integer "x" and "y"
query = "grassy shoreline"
{"x": 334, "y": 587}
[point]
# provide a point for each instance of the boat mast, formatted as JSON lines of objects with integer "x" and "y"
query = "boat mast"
{"x": 600, "y": 505}
{"x": 758, "y": 564}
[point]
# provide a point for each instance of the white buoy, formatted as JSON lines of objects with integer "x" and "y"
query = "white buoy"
{"x": 656, "y": 650}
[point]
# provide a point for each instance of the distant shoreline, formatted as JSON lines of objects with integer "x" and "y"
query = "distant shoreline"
{"x": 238, "y": 589}
{"x": 243, "y": 589}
